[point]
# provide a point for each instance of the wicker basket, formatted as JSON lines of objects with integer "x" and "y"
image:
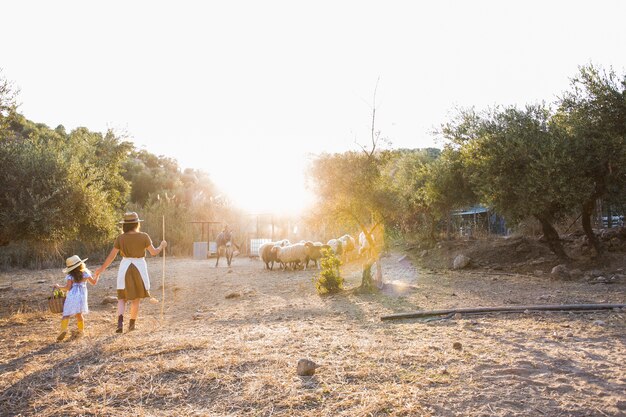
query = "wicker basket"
{"x": 56, "y": 304}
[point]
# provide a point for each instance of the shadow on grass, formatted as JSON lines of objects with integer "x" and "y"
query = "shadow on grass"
{"x": 20, "y": 396}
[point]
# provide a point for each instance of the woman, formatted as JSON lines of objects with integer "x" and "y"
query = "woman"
{"x": 133, "y": 282}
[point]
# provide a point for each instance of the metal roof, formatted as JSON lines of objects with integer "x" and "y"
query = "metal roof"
{"x": 472, "y": 210}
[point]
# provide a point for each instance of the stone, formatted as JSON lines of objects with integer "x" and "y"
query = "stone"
{"x": 461, "y": 261}
{"x": 458, "y": 316}
{"x": 424, "y": 253}
{"x": 619, "y": 278}
{"x": 538, "y": 272}
{"x": 232, "y": 295}
{"x": 306, "y": 367}
{"x": 109, "y": 299}
{"x": 457, "y": 346}
{"x": 560, "y": 271}
{"x": 402, "y": 258}
{"x": 599, "y": 323}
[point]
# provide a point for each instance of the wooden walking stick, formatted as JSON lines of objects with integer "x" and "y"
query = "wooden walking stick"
{"x": 163, "y": 276}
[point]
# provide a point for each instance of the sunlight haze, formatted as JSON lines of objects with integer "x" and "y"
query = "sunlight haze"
{"x": 247, "y": 90}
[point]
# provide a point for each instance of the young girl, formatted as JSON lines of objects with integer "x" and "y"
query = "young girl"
{"x": 76, "y": 299}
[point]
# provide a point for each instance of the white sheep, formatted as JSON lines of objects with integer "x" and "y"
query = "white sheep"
{"x": 348, "y": 245}
{"x": 336, "y": 246}
{"x": 292, "y": 254}
{"x": 364, "y": 245}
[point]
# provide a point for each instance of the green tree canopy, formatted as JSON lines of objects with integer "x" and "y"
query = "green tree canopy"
{"x": 593, "y": 114}
{"x": 517, "y": 162}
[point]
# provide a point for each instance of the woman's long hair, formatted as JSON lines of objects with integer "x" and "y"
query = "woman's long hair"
{"x": 129, "y": 227}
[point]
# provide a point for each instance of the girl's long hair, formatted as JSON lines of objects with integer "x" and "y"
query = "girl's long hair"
{"x": 77, "y": 273}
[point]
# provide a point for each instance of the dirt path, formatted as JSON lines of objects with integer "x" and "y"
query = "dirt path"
{"x": 231, "y": 339}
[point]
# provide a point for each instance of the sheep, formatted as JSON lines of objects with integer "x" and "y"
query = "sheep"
{"x": 267, "y": 255}
{"x": 348, "y": 244}
{"x": 364, "y": 246}
{"x": 284, "y": 242}
{"x": 314, "y": 252}
{"x": 336, "y": 246}
{"x": 291, "y": 254}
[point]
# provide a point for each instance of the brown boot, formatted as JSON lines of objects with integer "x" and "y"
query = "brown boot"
{"x": 120, "y": 324}
{"x": 131, "y": 325}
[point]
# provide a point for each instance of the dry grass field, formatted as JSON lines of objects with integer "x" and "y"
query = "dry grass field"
{"x": 230, "y": 340}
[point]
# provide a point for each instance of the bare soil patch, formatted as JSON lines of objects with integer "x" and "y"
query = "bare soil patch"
{"x": 231, "y": 338}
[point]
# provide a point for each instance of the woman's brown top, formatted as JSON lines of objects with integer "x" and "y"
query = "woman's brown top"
{"x": 133, "y": 244}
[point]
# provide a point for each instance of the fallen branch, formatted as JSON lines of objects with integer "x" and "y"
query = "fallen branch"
{"x": 509, "y": 309}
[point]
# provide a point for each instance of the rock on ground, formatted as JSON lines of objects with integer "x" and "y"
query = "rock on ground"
{"x": 461, "y": 261}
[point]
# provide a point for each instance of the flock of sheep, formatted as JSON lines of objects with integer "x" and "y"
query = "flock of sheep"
{"x": 296, "y": 255}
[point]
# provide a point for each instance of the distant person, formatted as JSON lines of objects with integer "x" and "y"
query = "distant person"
{"x": 133, "y": 282}
{"x": 225, "y": 236}
{"x": 76, "y": 278}
{"x": 225, "y": 246}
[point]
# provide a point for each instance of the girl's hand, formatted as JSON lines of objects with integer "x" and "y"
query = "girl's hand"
{"x": 55, "y": 286}
{"x": 163, "y": 245}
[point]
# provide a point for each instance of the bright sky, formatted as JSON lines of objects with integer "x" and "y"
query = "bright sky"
{"x": 245, "y": 90}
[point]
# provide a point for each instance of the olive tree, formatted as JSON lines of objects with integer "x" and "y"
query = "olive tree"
{"x": 518, "y": 162}
{"x": 593, "y": 113}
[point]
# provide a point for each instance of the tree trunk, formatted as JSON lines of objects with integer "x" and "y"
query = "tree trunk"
{"x": 552, "y": 236}
{"x": 366, "y": 279}
{"x": 587, "y": 212}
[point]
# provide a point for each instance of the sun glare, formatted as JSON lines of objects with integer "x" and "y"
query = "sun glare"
{"x": 267, "y": 191}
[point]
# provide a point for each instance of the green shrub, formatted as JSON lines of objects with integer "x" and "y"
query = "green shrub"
{"x": 329, "y": 281}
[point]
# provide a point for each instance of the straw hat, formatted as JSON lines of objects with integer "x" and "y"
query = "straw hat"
{"x": 73, "y": 262}
{"x": 131, "y": 217}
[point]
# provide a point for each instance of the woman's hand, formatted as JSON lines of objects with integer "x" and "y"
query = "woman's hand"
{"x": 163, "y": 245}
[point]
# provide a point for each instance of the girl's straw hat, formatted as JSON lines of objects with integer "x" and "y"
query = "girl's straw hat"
{"x": 73, "y": 262}
{"x": 131, "y": 217}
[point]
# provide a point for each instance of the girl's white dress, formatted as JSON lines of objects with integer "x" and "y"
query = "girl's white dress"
{"x": 76, "y": 298}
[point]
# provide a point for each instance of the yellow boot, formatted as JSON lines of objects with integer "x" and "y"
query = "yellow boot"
{"x": 64, "y": 323}
{"x": 81, "y": 328}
